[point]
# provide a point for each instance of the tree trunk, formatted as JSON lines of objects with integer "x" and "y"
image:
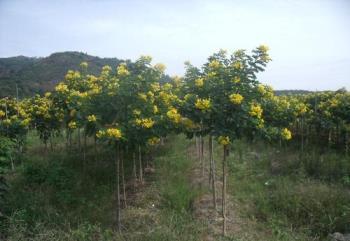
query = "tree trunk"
{"x": 134, "y": 166}
{"x": 79, "y": 142}
{"x": 212, "y": 166}
{"x": 123, "y": 178}
{"x": 224, "y": 192}
{"x": 202, "y": 156}
{"x": 140, "y": 164}
{"x": 118, "y": 210}
{"x": 346, "y": 142}
{"x": 302, "y": 134}
{"x": 84, "y": 147}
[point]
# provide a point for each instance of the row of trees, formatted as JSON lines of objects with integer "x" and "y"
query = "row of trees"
{"x": 131, "y": 109}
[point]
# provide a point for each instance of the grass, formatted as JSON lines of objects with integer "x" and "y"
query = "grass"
{"x": 279, "y": 194}
{"x": 276, "y": 191}
{"x": 55, "y": 196}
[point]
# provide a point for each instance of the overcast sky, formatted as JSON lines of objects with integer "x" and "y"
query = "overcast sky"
{"x": 309, "y": 39}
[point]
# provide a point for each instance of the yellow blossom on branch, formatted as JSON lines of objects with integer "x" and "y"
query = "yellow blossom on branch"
{"x": 113, "y": 133}
{"x": 286, "y": 134}
{"x": 224, "y": 140}
{"x": 236, "y": 99}
{"x": 255, "y": 110}
{"x": 91, "y": 118}
{"x": 199, "y": 82}
{"x": 203, "y": 104}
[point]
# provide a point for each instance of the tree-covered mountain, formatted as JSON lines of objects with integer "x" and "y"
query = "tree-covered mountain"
{"x": 37, "y": 75}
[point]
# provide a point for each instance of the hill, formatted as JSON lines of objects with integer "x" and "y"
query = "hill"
{"x": 37, "y": 75}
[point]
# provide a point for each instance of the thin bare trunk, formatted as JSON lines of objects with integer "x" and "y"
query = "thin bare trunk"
{"x": 212, "y": 163}
{"x": 140, "y": 164}
{"x": 123, "y": 178}
{"x": 134, "y": 166}
{"x": 224, "y": 192}
{"x": 202, "y": 156}
{"x": 118, "y": 210}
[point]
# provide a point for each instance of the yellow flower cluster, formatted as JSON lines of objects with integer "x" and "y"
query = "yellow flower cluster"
{"x": 155, "y": 87}
{"x": 224, "y": 140}
{"x": 261, "y": 89}
{"x": 91, "y": 118}
{"x": 72, "y": 125}
{"x": 286, "y": 134}
{"x": 136, "y": 112}
{"x": 159, "y": 67}
{"x": 113, "y": 133}
{"x": 25, "y": 122}
{"x": 173, "y": 115}
{"x": 203, "y": 104}
{"x": 145, "y": 123}
{"x": 122, "y": 70}
{"x": 142, "y": 96}
{"x": 155, "y": 109}
{"x": 214, "y": 64}
{"x": 236, "y": 99}
{"x": 255, "y": 110}
{"x": 199, "y": 82}
{"x": 61, "y": 87}
{"x": 153, "y": 141}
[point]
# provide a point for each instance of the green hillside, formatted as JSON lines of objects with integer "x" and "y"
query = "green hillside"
{"x": 37, "y": 75}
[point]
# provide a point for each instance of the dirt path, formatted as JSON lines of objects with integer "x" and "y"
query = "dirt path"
{"x": 204, "y": 208}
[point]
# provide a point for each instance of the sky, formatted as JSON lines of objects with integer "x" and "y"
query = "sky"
{"x": 309, "y": 40}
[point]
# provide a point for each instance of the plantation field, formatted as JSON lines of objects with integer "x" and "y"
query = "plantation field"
{"x": 214, "y": 155}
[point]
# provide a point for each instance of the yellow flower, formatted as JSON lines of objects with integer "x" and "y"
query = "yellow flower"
{"x": 264, "y": 48}
{"x": 91, "y": 118}
{"x": 136, "y": 112}
{"x": 224, "y": 140}
{"x": 214, "y": 64}
{"x": 159, "y": 67}
{"x": 155, "y": 87}
{"x": 106, "y": 68}
{"x": 167, "y": 87}
{"x": 236, "y": 99}
{"x": 25, "y": 122}
{"x": 155, "y": 109}
{"x": 142, "y": 96}
{"x": 47, "y": 94}
{"x": 199, "y": 82}
{"x": 72, "y": 125}
{"x": 61, "y": 87}
{"x": 122, "y": 70}
{"x": 261, "y": 89}
{"x": 113, "y": 133}
{"x": 255, "y": 110}
{"x": 100, "y": 134}
{"x": 145, "y": 123}
{"x": 173, "y": 115}
{"x": 203, "y": 104}
{"x": 211, "y": 74}
{"x": 286, "y": 134}
{"x": 153, "y": 141}
{"x": 236, "y": 79}
{"x": 2, "y": 114}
